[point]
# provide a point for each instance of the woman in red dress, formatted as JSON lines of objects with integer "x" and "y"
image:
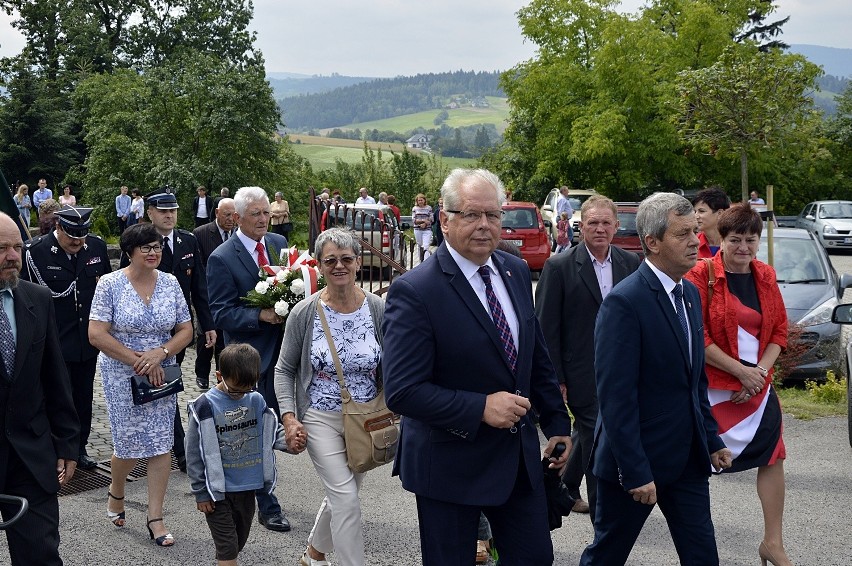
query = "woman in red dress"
{"x": 745, "y": 329}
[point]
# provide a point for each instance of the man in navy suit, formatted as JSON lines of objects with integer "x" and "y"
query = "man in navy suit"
{"x": 655, "y": 440}
{"x": 464, "y": 360}
{"x": 232, "y": 271}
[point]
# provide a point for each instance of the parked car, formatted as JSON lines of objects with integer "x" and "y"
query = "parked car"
{"x": 524, "y": 227}
{"x": 375, "y": 223}
{"x": 843, "y": 315}
{"x": 830, "y": 221}
{"x": 548, "y": 210}
{"x": 811, "y": 288}
{"x": 627, "y": 237}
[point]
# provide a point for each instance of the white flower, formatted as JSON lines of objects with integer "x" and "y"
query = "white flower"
{"x": 282, "y": 275}
{"x": 297, "y": 287}
{"x": 262, "y": 287}
{"x": 282, "y": 308}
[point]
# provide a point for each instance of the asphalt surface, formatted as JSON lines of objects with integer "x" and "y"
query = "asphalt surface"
{"x": 818, "y": 516}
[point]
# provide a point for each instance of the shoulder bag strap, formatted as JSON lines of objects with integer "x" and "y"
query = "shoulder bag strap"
{"x": 344, "y": 393}
{"x": 711, "y": 279}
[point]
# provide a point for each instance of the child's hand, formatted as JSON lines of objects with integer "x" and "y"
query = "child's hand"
{"x": 206, "y": 506}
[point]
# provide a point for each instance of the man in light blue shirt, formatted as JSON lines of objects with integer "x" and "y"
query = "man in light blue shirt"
{"x": 564, "y": 205}
{"x": 42, "y": 194}
{"x": 122, "y": 209}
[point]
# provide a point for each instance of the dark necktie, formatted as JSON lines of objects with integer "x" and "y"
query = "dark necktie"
{"x": 681, "y": 313}
{"x": 224, "y": 236}
{"x": 74, "y": 263}
{"x": 7, "y": 341}
{"x": 166, "y": 259}
{"x": 499, "y": 318}
{"x": 261, "y": 255}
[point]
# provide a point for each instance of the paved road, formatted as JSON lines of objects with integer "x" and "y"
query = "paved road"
{"x": 818, "y": 521}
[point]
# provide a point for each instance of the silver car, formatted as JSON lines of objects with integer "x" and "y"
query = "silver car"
{"x": 830, "y": 221}
{"x": 843, "y": 315}
{"x": 811, "y": 288}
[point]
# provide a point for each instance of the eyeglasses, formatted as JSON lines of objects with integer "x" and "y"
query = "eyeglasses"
{"x": 156, "y": 248}
{"x": 235, "y": 393}
{"x": 347, "y": 260}
{"x": 472, "y": 216}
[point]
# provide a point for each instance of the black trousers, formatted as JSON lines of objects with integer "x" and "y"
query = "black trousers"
{"x": 34, "y": 539}
{"x": 82, "y": 376}
{"x": 204, "y": 356}
{"x": 585, "y": 418}
{"x": 179, "y": 449}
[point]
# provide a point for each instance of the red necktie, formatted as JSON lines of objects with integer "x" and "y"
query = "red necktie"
{"x": 261, "y": 255}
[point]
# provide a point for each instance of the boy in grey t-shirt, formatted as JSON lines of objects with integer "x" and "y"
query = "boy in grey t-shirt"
{"x": 229, "y": 445}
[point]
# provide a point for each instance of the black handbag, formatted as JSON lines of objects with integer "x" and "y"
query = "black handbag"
{"x": 144, "y": 392}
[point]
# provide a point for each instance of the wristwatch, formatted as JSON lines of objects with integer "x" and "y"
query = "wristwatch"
{"x": 165, "y": 351}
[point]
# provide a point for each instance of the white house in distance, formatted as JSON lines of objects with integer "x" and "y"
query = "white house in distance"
{"x": 419, "y": 141}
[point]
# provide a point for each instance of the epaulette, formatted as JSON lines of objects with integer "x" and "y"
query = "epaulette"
{"x": 34, "y": 241}
{"x": 95, "y": 236}
{"x": 184, "y": 232}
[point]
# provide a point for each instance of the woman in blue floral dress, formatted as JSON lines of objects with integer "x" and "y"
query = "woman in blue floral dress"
{"x": 134, "y": 312}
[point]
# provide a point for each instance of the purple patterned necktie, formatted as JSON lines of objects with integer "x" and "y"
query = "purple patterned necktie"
{"x": 499, "y": 318}
{"x": 7, "y": 341}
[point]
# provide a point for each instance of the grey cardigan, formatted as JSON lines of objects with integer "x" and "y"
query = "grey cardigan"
{"x": 293, "y": 372}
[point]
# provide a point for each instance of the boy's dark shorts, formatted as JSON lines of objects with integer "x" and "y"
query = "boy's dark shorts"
{"x": 230, "y": 523}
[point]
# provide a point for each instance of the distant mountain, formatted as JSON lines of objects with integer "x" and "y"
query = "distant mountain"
{"x": 295, "y": 84}
{"x": 385, "y": 98}
{"x": 833, "y": 60}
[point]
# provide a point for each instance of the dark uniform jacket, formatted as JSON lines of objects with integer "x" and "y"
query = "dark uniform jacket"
{"x": 187, "y": 268}
{"x": 72, "y": 288}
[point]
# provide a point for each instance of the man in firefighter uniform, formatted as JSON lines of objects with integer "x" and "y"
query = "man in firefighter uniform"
{"x": 69, "y": 261}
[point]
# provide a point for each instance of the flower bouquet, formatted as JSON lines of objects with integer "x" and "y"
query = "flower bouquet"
{"x": 282, "y": 286}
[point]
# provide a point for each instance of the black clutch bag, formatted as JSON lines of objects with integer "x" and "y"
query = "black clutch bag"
{"x": 144, "y": 392}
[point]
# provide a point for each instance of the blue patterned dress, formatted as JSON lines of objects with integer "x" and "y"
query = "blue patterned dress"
{"x": 138, "y": 431}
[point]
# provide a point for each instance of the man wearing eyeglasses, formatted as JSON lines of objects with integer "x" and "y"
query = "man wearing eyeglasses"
{"x": 69, "y": 261}
{"x": 464, "y": 378}
{"x": 233, "y": 269}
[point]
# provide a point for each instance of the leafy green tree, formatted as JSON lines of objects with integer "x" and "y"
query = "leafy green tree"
{"x": 746, "y": 101}
{"x": 408, "y": 172}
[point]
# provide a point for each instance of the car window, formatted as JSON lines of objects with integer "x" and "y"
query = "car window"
{"x": 835, "y": 210}
{"x": 627, "y": 224}
{"x": 796, "y": 260}
{"x": 519, "y": 218}
{"x": 551, "y": 200}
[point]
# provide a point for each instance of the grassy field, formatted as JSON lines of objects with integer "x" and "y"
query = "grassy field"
{"x": 497, "y": 114}
{"x": 322, "y": 152}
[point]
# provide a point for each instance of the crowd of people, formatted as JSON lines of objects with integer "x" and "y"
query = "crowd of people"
{"x": 650, "y": 425}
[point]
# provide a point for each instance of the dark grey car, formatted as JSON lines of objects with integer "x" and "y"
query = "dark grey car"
{"x": 811, "y": 288}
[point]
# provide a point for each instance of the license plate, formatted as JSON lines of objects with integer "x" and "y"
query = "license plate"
{"x": 518, "y": 243}
{"x": 847, "y": 241}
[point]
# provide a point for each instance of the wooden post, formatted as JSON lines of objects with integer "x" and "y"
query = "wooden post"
{"x": 770, "y": 206}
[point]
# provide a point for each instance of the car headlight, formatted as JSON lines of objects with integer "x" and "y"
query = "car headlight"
{"x": 820, "y": 314}
{"x": 829, "y": 229}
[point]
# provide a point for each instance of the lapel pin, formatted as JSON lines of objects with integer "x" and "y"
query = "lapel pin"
{"x": 509, "y": 273}
{"x": 53, "y": 249}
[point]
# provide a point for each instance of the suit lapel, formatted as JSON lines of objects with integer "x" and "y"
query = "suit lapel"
{"x": 587, "y": 272}
{"x": 665, "y": 303}
{"x": 25, "y": 322}
{"x": 244, "y": 256}
{"x": 619, "y": 268}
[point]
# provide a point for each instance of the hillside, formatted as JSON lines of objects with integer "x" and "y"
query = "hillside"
{"x": 384, "y": 98}
{"x": 285, "y": 85}
{"x": 834, "y": 61}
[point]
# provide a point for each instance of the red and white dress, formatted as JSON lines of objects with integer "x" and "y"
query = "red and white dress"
{"x": 746, "y": 314}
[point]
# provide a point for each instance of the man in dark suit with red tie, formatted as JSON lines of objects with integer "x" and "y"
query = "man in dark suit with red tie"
{"x": 464, "y": 359}
{"x": 656, "y": 439}
{"x": 232, "y": 271}
{"x": 39, "y": 441}
{"x": 210, "y": 236}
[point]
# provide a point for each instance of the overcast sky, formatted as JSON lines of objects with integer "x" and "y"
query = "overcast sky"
{"x": 383, "y": 38}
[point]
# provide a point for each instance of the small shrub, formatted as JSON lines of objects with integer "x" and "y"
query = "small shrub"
{"x": 832, "y": 391}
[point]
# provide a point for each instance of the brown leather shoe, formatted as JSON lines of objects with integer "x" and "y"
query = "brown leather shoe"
{"x": 580, "y": 506}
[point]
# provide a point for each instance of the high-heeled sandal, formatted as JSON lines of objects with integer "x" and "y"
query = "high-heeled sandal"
{"x": 116, "y": 519}
{"x": 161, "y": 540}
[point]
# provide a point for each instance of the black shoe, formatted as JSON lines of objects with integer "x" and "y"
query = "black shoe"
{"x": 86, "y": 463}
{"x": 274, "y": 522}
{"x": 181, "y": 461}
{"x": 203, "y": 384}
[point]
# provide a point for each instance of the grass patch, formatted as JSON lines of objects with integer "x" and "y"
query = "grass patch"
{"x": 323, "y": 152}
{"x": 812, "y": 400}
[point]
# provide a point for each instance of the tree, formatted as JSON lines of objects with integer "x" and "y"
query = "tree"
{"x": 747, "y": 100}
{"x": 408, "y": 171}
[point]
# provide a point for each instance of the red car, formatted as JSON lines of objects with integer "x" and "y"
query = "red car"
{"x": 523, "y": 226}
{"x": 627, "y": 237}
